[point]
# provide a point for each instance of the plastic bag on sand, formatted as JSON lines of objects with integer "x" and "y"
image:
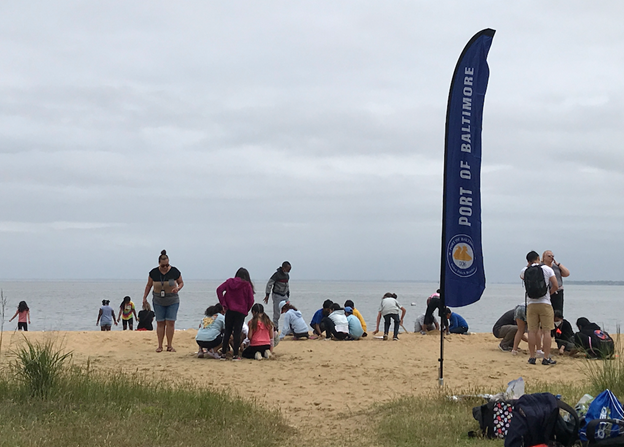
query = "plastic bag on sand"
{"x": 515, "y": 389}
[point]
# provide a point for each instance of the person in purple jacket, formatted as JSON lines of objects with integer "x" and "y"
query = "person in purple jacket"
{"x": 236, "y": 295}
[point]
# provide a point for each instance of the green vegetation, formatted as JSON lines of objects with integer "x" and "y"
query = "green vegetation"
{"x": 435, "y": 420}
{"x": 607, "y": 373}
{"x": 39, "y": 366}
{"x": 45, "y": 402}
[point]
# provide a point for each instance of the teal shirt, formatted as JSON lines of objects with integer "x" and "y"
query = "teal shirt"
{"x": 210, "y": 328}
{"x": 355, "y": 327}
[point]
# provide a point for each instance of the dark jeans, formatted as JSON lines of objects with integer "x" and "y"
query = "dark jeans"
{"x": 210, "y": 344}
{"x": 431, "y": 307}
{"x": 330, "y": 329}
{"x": 250, "y": 351}
{"x": 233, "y": 326}
{"x": 321, "y": 327}
{"x": 459, "y": 330}
{"x": 387, "y": 319}
{"x": 556, "y": 299}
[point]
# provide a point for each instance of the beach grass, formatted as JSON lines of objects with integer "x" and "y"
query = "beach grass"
{"x": 436, "y": 419}
{"x": 607, "y": 373}
{"x": 83, "y": 408}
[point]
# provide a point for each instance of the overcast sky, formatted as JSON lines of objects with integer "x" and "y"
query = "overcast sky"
{"x": 247, "y": 133}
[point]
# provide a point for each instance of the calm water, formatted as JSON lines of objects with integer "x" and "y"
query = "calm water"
{"x": 73, "y": 305}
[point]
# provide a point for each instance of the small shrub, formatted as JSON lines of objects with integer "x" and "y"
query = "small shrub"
{"x": 38, "y": 367}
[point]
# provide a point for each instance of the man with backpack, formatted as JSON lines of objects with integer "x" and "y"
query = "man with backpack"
{"x": 537, "y": 280}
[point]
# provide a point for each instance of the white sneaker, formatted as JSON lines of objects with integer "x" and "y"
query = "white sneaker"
{"x": 258, "y": 356}
{"x": 540, "y": 354}
{"x": 267, "y": 354}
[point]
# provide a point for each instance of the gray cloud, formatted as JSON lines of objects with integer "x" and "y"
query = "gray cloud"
{"x": 248, "y": 133}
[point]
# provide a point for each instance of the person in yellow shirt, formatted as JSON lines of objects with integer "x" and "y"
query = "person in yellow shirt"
{"x": 126, "y": 311}
{"x": 357, "y": 313}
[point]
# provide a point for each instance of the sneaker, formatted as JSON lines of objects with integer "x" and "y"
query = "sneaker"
{"x": 549, "y": 361}
{"x": 222, "y": 357}
{"x": 395, "y": 339}
{"x": 385, "y": 337}
{"x": 423, "y": 333}
{"x": 267, "y": 354}
{"x": 236, "y": 358}
{"x": 504, "y": 349}
{"x": 200, "y": 354}
{"x": 540, "y": 354}
{"x": 258, "y": 356}
{"x": 532, "y": 361}
{"x": 214, "y": 355}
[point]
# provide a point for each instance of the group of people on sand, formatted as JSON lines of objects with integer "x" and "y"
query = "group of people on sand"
{"x": 452, "y": 322}
{"x": 127, "y": 314}
{"x": 540, "y": 318}
{"x": 223, "y": 327}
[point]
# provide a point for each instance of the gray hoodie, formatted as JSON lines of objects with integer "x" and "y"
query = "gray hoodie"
{"x": 278, "y": 283}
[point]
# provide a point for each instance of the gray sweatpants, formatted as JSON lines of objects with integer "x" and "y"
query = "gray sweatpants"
{"x": 276, "y": 310}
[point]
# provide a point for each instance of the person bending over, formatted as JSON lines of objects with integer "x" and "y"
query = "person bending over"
{"x": 317, "y": 323}
{"x": 389, "y": 309}
{"x": 293, "y": 324}
{"x": 358, "y": 315}
{"x": 456, "y": 323}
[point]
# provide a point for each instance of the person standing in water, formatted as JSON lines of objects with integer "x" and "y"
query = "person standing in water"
{"x": 278, "y": 285}
{"x": 167, "y": 282}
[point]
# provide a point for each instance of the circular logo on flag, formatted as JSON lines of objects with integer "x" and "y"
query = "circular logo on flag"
{"x": 460, "y": 255}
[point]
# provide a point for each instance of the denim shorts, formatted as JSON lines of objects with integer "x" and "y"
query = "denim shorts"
{"x": 169, "y": 313}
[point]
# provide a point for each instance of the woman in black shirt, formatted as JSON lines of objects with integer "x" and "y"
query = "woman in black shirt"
{"x": 167, "y": 282}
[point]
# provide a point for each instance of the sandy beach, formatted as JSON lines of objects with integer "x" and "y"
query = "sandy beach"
{"x": 305, "y": 379}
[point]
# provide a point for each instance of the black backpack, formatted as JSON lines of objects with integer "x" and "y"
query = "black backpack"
{"x": 534, "y": 282}
{"x": 601, "y": 345}
{"x": 537, "y": 420}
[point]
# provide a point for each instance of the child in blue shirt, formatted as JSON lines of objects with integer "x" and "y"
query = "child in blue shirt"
{"x": 209, "y": 336}
{"x": 355, "y": 327}
{"x": 317, "y": 324}
{"x": 456, "y": 323}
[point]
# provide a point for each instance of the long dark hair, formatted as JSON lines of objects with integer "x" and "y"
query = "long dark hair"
{"x": 22, "y": 306}
{"x": 258, "y": 315}
{"x": 243, "y": 274}
{"x": 126, "y": 299}
{"x": 214, "y": 310}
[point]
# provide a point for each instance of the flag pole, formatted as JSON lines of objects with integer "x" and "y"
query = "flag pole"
{"x": 461, "y": 251}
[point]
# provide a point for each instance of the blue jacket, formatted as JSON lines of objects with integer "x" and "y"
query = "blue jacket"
{"x": 456, "y": 321}
{"x": 316, "y": 319}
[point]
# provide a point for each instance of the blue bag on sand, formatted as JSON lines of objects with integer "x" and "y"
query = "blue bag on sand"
{"x": 604, "y": 406}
